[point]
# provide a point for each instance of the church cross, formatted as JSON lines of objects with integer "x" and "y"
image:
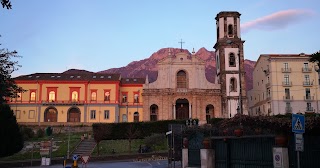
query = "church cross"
{"x": 181, "y": 42}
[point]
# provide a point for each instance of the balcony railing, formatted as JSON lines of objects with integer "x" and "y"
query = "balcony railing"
{"x": 308, "y": 98}
{"x": 287, "y": 98}
{"x": 183, "y": 90}
{"x": 286, "y": 83}
{"x": 306, "y": 69}
{"x": 307, "y": 83}
{"x": 288, "y": 109}
{"x": 309, "y": 109}
{"x": 69, "y": 102}
{"x": 286, "y": 70}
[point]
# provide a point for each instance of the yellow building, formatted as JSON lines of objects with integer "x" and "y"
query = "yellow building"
{"x": 284, "y": 84}
{"x": 77, "y": 96}
{"x": 181, "y": 90}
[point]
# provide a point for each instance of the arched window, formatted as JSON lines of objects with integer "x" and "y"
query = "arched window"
{"x": 52, "y": 96}
{"x": 33, "y": 96}
{"x": 74, "y": 96}
{"x": 230, "y": 30}
{"x": 232, "y": 60}
{"x": 153, "y": 112}
{"x": 94, "y": 96}
{"x": 233, "y": 85}
{"x": 107, "y": 96}
{"x": 136, "y": 98}
{"x": 135, "y": 117}
{"x": 181, "y": 79}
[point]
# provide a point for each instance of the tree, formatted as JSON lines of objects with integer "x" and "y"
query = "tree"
{"x": 6, "y": 4}
{"x": 132, "y": 133}
{"x": 8, "y": 87}
{"x": 315, "y": 57}
{"x": 100, "y": 132}
{"x": 11, "y": 140}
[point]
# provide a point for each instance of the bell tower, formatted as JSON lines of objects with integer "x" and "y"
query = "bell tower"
{"x": 230, "y": 64}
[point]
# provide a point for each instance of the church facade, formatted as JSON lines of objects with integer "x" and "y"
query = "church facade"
{"x": 181, "y": 90}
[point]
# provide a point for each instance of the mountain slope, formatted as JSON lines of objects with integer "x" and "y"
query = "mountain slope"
{"x": 148, "y": 66}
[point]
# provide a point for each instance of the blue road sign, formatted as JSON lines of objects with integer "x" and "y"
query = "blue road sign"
{"x": 298, "y": 123}
{"x": 75, "y": 157}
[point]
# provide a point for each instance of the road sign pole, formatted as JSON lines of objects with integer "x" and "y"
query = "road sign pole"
{"x": 298, "y": 160}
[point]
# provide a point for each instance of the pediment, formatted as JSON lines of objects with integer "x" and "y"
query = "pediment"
{"x": 183, "y": 58}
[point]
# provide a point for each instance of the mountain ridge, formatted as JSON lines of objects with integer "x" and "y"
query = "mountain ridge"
{"x": 142, "y": 68}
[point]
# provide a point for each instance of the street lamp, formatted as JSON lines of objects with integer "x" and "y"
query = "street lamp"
{"x": 68, "y": 152}
{"x": 239, "y": 111}
{"x": 136, "y": 97}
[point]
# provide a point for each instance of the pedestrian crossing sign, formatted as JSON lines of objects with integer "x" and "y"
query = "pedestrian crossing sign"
{"x": 298, "y": 123}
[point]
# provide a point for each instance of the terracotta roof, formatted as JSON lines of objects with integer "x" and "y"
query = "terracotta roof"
{"x": 86, "y": 76}
{"x": 133, "y": 80}
{"x": 301, "y": 55}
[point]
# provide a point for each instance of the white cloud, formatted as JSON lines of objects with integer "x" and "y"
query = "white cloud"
{"x": 278, "y": 20}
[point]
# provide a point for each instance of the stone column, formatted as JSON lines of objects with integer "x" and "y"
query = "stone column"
{"x": 174, "y": 111}
{"x": 185, "y": 158}
{"x": 207, "y": 157}
{"x": 190, "y": 111}
{"x": 280, "y": 157}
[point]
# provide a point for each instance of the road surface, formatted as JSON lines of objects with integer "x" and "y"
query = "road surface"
{"x": 144, "y": 164}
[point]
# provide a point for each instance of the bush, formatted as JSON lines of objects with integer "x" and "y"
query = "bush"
{"x": 146, "y": 128}
{"x": 40, "y": 133}
{"x": 27, "y": 133}
{"x": 11, "y": 140}
{"x": 155, "y": 140}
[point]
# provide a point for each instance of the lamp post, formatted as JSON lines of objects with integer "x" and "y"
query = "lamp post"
{"x": 68, "y": 152}
{"x": 136, "y": 97}
{"x": 126, "y": 111}
{"x": 239, "y": 111}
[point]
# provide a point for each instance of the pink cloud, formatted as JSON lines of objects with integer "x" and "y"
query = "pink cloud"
{"x": 278, "y": 20}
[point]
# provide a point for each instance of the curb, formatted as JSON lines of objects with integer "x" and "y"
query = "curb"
{"x": 150, "y": 159}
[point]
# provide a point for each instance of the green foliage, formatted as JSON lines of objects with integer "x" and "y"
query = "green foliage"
{"x": 119, "y": 130}
{"x": 40, "y": 133}
{"x": 49, "y": 131}
{"x": 315, "y": 57}
{"x": 27, "y": 133}
{"x": 155, "y": 140}
{"x": 8, "y": 87}
{"x": 6, "y": 4}
{"x": 11, "y": 140}
{"x": 214, "y": 121}
{"x": 61, "y": 140}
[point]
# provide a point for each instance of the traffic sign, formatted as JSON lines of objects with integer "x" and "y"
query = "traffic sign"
{"x": 299, "y": 142}
{"x": 277, "y": 160}
{"x": 298, "y": 123}
{"x": 75, "y": 157}
{"x": 85, "y": 159}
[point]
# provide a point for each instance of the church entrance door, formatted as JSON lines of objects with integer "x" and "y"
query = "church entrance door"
{"x": 182, "y": 109}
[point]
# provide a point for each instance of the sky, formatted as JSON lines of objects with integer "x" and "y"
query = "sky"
{"x": 95, "y": 35}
